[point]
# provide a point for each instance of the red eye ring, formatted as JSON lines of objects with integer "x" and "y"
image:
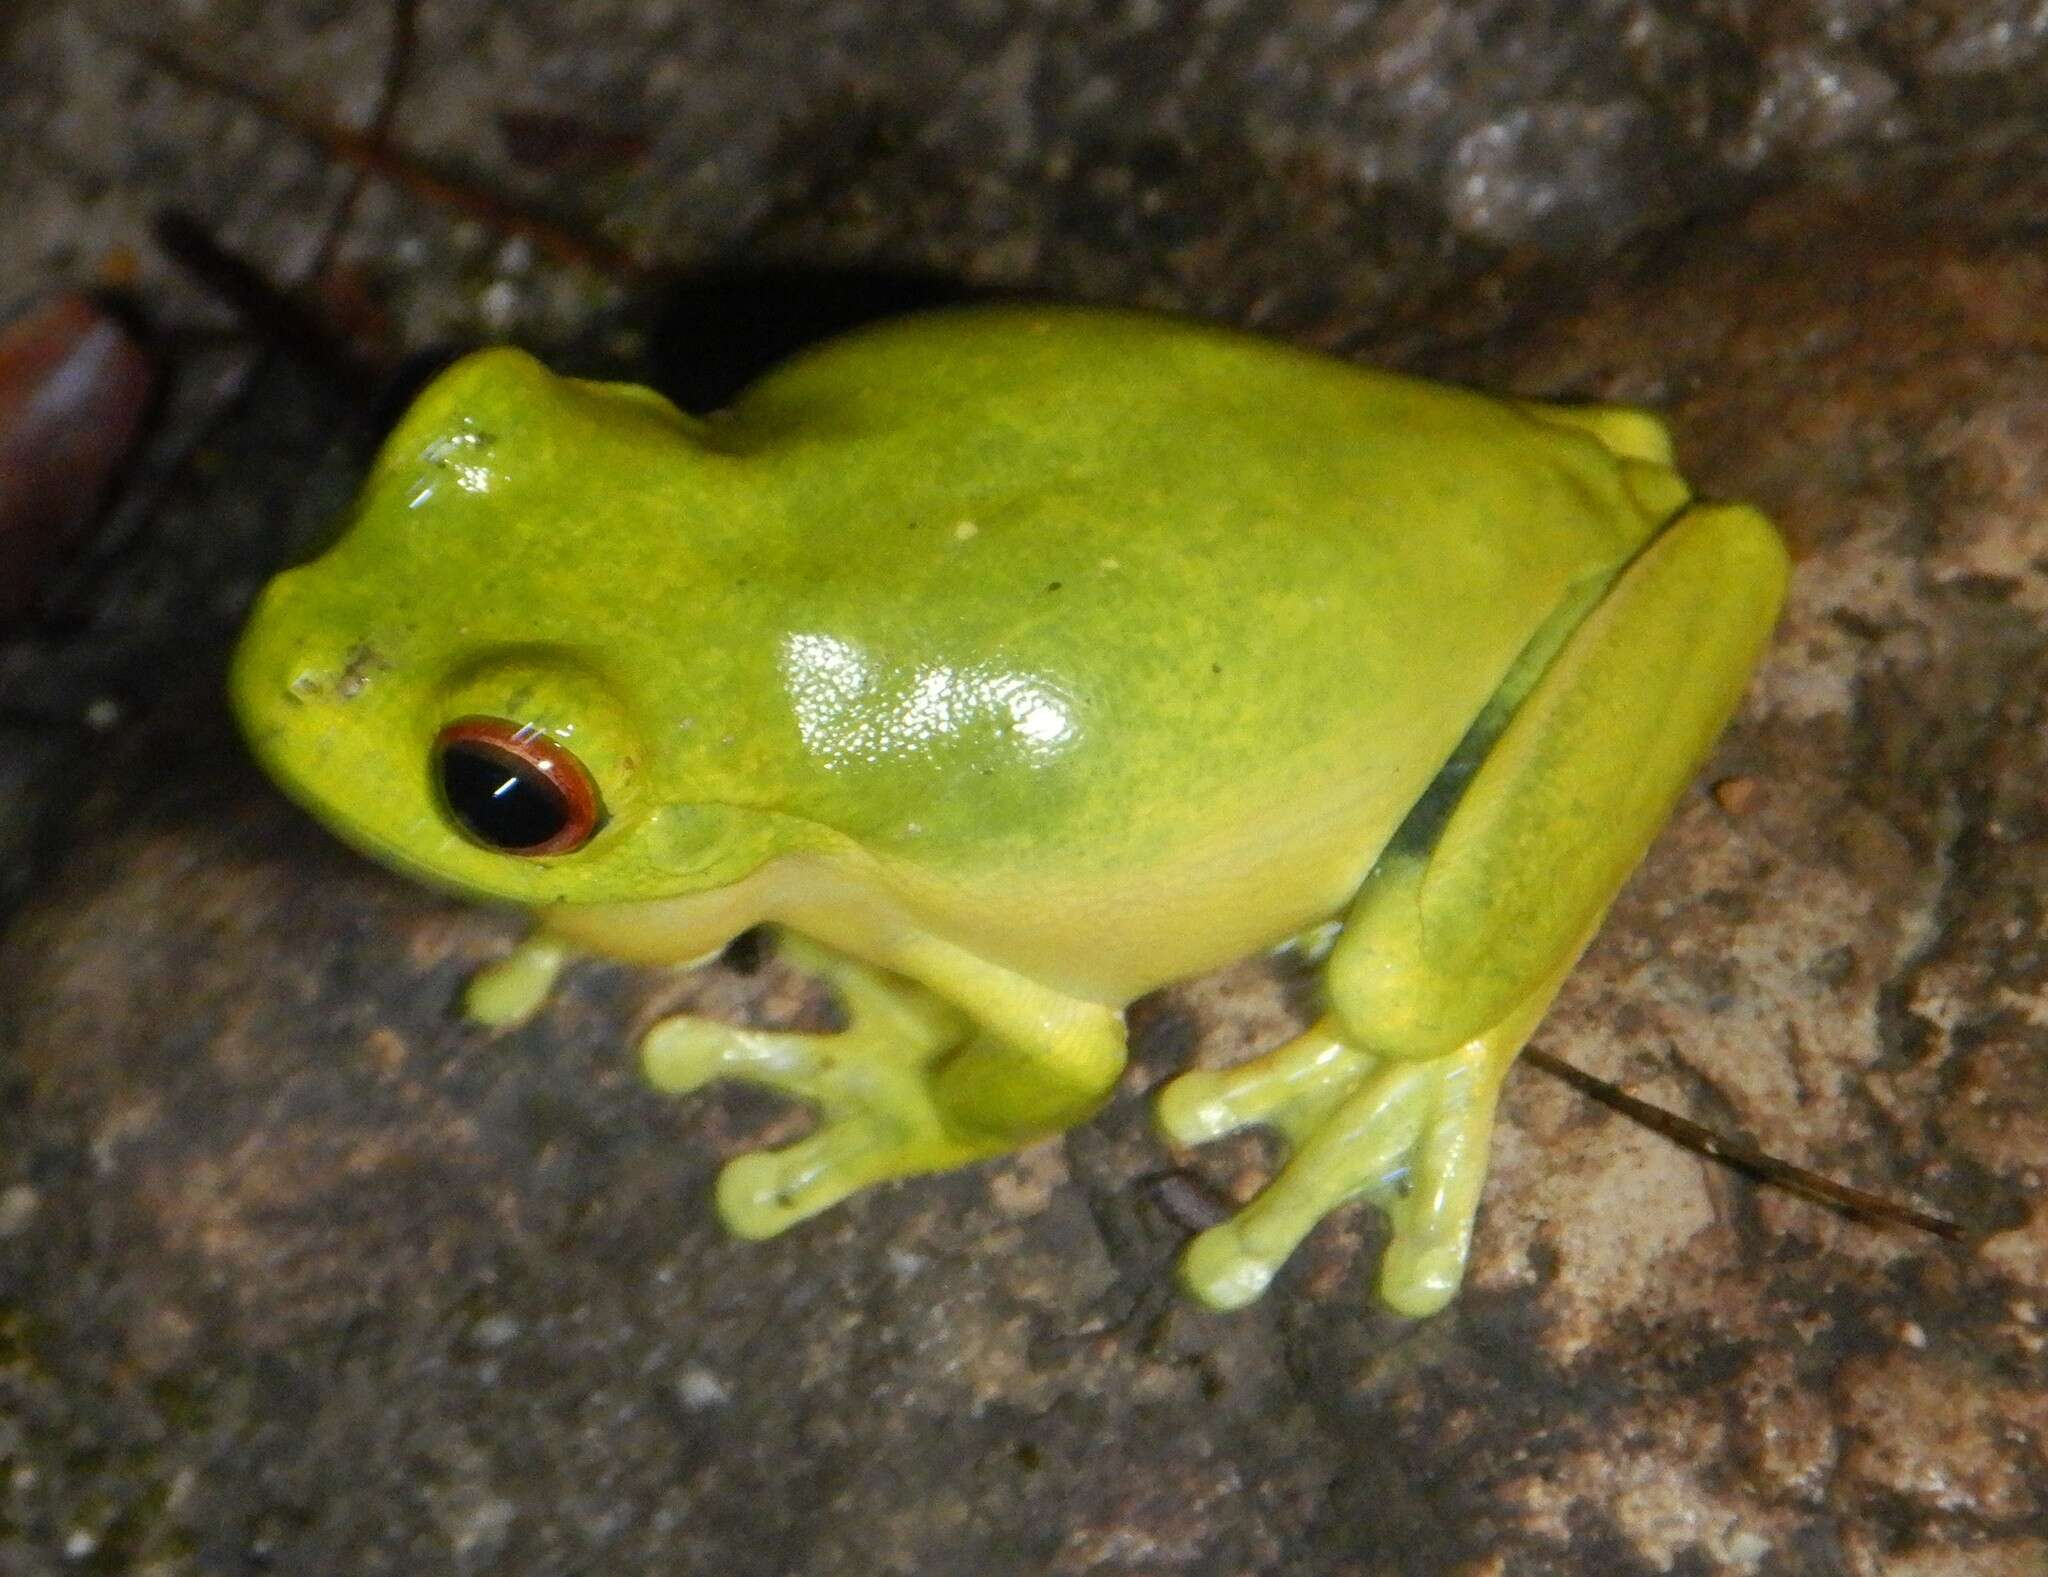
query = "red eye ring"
{"x": 515, "y": 790}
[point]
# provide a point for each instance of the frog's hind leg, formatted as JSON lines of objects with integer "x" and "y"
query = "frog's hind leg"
{"x": 1471, "y": 919}
{"x": 913, "y": 1083}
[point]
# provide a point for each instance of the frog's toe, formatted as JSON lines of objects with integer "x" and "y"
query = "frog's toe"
{"x": 1359, "y": 1149}
{"x": 681, "y": 1054}
{"x": 506, "y": 994}
{"x": 1293, "y": 1088}
{"x": 885, "y": 1132}
{"x": 1433, "y": 1217}
{"x": 1222, "y": 1270}
{"x": 1196, "y": 1107}
{"x": 1418, "y": 1279}
{"x": 764, "y": 1193}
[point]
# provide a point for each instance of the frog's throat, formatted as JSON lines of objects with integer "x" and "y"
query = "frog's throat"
{"x": 815, "y": 891}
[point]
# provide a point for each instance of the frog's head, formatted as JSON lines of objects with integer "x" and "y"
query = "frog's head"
{"x": 466, "y": 684}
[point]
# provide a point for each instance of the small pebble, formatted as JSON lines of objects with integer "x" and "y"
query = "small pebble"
{"x": 1737, "y": 796}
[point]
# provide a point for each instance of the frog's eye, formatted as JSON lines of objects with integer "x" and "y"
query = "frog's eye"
{"x": 513, "y": 789}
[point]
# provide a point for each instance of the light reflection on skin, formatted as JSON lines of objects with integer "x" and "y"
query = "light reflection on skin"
{"x": 460, "y": 456}
{"x": 849, "y": 712}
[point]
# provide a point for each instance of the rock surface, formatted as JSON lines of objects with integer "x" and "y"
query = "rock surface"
{"x": 308, "y": 1277}
{"x": 298, "y": 1274}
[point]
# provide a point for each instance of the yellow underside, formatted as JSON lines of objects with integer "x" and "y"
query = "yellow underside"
{"x": 1106, "y": 942}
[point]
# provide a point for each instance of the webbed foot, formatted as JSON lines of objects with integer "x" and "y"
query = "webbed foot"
{"x": 870, "y": 1084}
{"x": 1409, "y": 1135}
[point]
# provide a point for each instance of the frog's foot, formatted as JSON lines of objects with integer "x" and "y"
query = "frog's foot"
{"x": 1409, "y": 1135}
{"x": 508, "y": 993}
{"x": 870, "y": 1085}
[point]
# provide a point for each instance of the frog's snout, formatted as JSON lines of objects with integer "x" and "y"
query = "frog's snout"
{"x": 279, "y": 664}
{"x": 339, "y": 679}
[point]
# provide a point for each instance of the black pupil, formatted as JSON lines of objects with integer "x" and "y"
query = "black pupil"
{"x": 503, "y": 801}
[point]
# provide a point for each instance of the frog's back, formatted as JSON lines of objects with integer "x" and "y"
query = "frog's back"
{"x": 1115, "y": 604}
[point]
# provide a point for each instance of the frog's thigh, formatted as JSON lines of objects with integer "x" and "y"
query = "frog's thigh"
{"x": 1443, "y": 944}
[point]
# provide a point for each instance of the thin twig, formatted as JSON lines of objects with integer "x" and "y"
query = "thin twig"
{"x": 398, "y": 53}
{"x": 560, "y": 241}
{"x": 1745, "y": 1157}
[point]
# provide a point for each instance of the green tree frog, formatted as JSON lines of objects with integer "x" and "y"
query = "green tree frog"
{"x": 1014, "y": 662}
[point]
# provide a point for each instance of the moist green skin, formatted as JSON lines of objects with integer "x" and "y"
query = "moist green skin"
{"x": 1025, "y": 660}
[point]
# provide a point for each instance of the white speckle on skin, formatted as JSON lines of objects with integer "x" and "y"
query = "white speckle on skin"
{"x": 965, "y": 531}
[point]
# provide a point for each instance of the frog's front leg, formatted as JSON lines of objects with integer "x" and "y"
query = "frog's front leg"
{"x": 1469, "y": 923}
{"x": 918, "y": 1081}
